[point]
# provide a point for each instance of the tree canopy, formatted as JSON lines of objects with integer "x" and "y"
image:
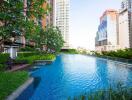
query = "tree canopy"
{"x": 51, "y": 38}
{"x": 54, "y": 39}
{"x": 16, "y": 19}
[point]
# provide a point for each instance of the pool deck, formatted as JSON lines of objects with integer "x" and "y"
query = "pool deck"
{"x": 45, "y": 61}
{"x": 18, "y": 67}
{"x": 23, "y": 66}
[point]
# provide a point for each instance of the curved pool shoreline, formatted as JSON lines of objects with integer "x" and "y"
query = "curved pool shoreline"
{"x": 71, "y": 75}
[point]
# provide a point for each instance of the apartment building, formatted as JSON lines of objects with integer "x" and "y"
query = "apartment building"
{"x": 107, "y": 34}
{"x": 125, "y": 24}
{"x": 49, "y": 18}
{"x": 62, "y": 19}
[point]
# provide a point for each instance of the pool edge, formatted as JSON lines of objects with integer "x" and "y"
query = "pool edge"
{"x": 20, "y": 89}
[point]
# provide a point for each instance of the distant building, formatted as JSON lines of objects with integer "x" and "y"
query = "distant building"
{"x": 125, "y": 24}
{"x": 107, "y": 34}
{"x": 62, "y": 19}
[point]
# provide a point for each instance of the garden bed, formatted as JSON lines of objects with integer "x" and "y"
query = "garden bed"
{"x": 31, "y": 58}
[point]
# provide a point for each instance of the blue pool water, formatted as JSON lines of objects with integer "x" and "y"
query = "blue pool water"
{"x": 72, "y": 75}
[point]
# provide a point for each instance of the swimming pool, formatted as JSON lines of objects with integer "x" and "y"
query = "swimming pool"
{"x": 72, "y": 75}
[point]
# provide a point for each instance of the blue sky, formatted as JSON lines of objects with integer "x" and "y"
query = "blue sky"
{"x": 84, "y": 20}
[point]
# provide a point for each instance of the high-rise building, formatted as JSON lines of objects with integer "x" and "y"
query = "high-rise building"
{"x": 107, "y": 34}
{"x": 52, "y": 12}
{"x": 49, "y": 18}
{"x": 125, "y": 24}
{"x": 62, "y": 19}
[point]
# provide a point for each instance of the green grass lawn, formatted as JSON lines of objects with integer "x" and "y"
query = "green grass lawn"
{"x": 10, "y": 81}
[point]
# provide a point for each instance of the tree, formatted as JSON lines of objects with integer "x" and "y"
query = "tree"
{"x": 38, "y": 38}
{"x": 53, "y": 39}
{"x": 16, "y": 19}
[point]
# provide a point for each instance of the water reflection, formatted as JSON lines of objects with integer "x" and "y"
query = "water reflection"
{"x": 119, "y": 73}
{"x": 102, "y": 73}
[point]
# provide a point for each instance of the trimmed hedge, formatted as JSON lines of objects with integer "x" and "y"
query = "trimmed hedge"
{"x": 26, "y": 54}
{"x": 70, "y": 51}
{"x": 126, "y": 53}
{"x": 28, "y": 49}
{"x": 3, "y": 58}
{"x": 31, "y": 59}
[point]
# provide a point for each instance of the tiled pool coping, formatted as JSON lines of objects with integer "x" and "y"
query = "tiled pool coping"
{"x": 45, "y": 61}
{"x": 16, "y": 93}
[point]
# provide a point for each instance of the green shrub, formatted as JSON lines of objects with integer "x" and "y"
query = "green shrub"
{"x": 2, "y": 67}
{"x": 70, "y": 51}
{"x": 27, "y": 54}
{"x": 4, "y": 58}
{"x": 126, "y": 53}
{"x": 31, "y": 59}
{"x": 27, "y": 49}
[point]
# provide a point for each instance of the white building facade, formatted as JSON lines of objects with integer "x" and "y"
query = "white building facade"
{"x": 125, "y": 24}
{"x": 62, "y": 19}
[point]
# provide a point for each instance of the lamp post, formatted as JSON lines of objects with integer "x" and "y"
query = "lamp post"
{"x": 12, "y": 49}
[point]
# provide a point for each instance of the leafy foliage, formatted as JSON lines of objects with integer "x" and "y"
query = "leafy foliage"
{"x": 51, "y": 38}
{"x": 3, "y": 58}
{"x": 127, "y": 53}
{"x": 16, "y": 19}
{"x": 29, "y": 49}
{"x": 54, "y": 39}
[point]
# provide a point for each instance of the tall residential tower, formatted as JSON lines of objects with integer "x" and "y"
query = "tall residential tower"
{"x": 125, "y": 24}
{"x": 49, "y": 18}
{"x": 62, "y": 19}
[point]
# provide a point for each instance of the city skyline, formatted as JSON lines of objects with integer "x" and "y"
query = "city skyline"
{"x": 84, "y": 20}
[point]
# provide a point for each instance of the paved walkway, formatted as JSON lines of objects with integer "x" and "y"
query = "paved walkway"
{"x": 18, "y": 67}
